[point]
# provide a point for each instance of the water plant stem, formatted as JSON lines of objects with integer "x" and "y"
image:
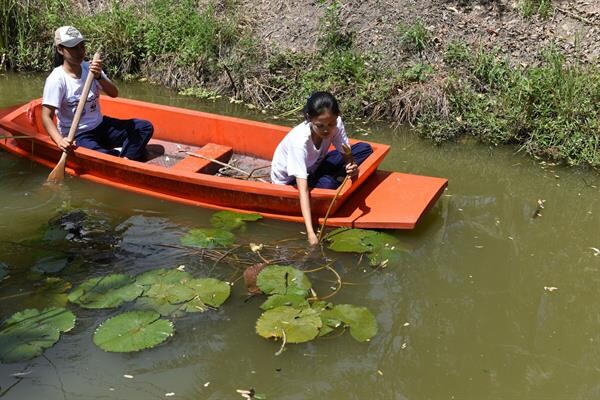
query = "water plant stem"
{"x": 337, "y": 193}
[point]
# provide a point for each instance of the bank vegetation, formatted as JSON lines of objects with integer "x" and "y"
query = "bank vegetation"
{"x": 549, "y": 109}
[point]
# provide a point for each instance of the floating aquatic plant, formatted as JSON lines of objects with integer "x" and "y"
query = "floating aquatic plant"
{"x": 208, "y": 238}
{"x": 51, "y": 292}
{"x": 278, "y": 300}
{"x": 28, "y": 333}
{"x": 278, "y": 279}
{"x": 289, "y": 323}
{"x": 230, "y": 220}
{"x": 360, "y": 320}
{"x": 133, "y": 331}
{"x": 379, "y": 246}
{"x": 170, "y": 290}
{"x": 106, "y": 291}
{"x": 289, "y": 315}
{"x": 51, "y": 264}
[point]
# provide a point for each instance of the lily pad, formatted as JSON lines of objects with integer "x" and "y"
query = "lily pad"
{"x": 169, "y": 291}
{"x": 230, "y": 220}
{"x": 106, "y": 292}
{"x": 278, "y": 279}
{"x": 51, "y": 265}
{"x": 208, "y": 238}
{"x": 161, "y": 306}
{"x": 360, "y": 320}
{"x": 151, "y": 277}
{"x": 379, "y": 246}
{"x": 277, "y": 300}
{"x": 51, "y": 292}
{"x": 299, "y": 325}
{"x": 133, "y": 331}
{"x": 28, "y": 333}
{"x": 211, "y": 291}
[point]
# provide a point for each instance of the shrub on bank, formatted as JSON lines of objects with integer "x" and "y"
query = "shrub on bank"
{"x": 550, "y": 110}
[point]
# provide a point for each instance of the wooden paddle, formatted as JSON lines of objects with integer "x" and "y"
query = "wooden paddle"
{"x": 58, "y": 173}
{"x": 349, "y": 158}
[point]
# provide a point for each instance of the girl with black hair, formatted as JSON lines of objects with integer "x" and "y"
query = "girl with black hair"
{"x": 302, "y": 158}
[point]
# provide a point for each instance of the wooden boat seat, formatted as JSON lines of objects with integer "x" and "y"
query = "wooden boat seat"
{"x": 205, "y": 166}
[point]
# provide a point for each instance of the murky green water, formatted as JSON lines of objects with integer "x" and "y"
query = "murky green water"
{"x": 467, "y": 313}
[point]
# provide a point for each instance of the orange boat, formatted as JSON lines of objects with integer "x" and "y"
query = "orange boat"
{"x": 191, "y": 153}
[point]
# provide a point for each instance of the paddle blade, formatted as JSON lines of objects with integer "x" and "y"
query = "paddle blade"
{"x": 57, "y": 175}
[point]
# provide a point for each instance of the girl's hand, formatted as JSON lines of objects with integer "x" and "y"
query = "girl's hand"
{"x": 312, "y": 239}
{"x": 96, "y": 68}
{"x": 351, "y": 169}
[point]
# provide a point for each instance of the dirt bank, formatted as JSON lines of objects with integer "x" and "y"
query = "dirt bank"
{"x": 574, "y": 26}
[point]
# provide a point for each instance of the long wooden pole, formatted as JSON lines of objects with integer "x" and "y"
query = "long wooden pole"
{"x": 348, "y": 152}
{"x": 58, "y": 173}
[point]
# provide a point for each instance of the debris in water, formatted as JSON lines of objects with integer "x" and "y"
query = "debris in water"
{"x": 596, "y": 251}
{"x": 550, "y": 288}
{"x": 540, "y": 207}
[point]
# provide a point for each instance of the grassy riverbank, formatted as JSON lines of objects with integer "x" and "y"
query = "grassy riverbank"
{"x": 550, "y": 109}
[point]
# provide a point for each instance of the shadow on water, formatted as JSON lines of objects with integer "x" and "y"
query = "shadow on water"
{"x": 481, "y": 304}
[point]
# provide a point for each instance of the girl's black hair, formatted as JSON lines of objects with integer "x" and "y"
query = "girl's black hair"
{"x": 58, "y": 58}
{"x": 320, "y": 102}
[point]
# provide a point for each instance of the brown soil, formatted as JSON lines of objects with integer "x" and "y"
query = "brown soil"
{"x": 493, "y": 24}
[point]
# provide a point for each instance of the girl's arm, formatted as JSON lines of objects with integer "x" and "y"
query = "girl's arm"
{"x": 48, "y": 122}
{"x": 305, "y": 208}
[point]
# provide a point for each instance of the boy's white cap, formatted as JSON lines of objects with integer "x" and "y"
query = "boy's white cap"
{"x": 67, "y": 36}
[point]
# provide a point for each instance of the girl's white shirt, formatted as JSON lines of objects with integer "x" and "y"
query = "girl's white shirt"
{"x": 296, "y": 155}
{"x": 63, "y": 92}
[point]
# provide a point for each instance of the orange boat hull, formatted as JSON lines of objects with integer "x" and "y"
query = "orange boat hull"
{"x": 371, "y": 201}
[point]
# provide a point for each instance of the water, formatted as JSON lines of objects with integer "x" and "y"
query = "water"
{"x": 469, "y": 312}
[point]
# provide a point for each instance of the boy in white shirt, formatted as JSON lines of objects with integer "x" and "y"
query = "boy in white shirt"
{"x": 62, "y": 92}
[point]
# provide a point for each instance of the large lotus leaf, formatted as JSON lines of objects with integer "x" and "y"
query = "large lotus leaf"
{"x": 208, "y": 238}
{"x": 360, "y": 320}
{"x": 106, "y": 292}
{"x": 380, "y": 246}
{"x": 160, "y": 305}
{"x": 346, "y": 240}
{"x": 173, "y": 276}
{"x": 278, "y": 279}
{"x": 3, "y": 270}
{"x": 52, "y": 292}
{"x": 277, "y": 300}
{"x": 210, "y": 291}
{"x": 133, "y": 331}
{"x": 230, "y": 220}
{"x": 28, "y": 333}
{"x": 170, "y": 292}
{"x": 329, "y": 323}
{"x": 299, "y": 325}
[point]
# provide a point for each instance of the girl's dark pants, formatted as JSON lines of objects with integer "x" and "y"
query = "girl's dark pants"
{"x": 331, "y": 171}
{"x": 131, "y": 135}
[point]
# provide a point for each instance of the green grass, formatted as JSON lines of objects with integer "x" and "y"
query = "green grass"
{"x": 550, "y": 110}
{"x": 415, "y": 37}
